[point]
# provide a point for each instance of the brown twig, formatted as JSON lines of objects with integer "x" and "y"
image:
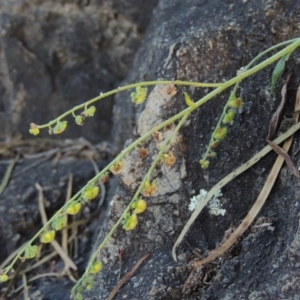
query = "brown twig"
{"x": 273, "y": 125}
{"x": 126, "y": 277}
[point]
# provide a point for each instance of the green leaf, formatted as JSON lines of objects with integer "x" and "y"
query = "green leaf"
{"x": 278, "y": 71}
{"x": 188, "y": 100}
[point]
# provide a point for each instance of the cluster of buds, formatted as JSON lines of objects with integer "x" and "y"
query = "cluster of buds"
{"x": 90, "y": 192}
{"x": 139, "y": 96}
{"x": 220, "y": 132}
{"x": 130, "y": 221}
{"x": 88, "y": 112}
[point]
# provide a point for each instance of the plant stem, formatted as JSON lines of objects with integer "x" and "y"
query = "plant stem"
{"x": 136, "y": 195}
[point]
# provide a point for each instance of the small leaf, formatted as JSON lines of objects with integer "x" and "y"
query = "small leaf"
{"x": 188, "y": 100}
{"x": 278, "y": 71}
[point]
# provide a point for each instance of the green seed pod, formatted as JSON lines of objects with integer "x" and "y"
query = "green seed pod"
{"x": 220, "y": 133}
{"x": 60, "y": 127}
{"x": 236, "y": 102}
{"x": 79, "y": 120}
{"x": 228, "y": 117}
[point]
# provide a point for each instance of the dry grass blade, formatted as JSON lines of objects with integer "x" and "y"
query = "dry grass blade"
{"x": 67, "y": 260}
{"x": 273, "y": 126}
{"x": 275, "y": 118}
{"x": 126, "y": 277}
{"x": 257, "y": 205}
{"x": 7, "y": 174}
{"x": 286, "y": 157}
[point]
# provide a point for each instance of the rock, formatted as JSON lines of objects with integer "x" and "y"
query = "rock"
{"x": 207, "y": 41}
{"x": 54, "y": 56}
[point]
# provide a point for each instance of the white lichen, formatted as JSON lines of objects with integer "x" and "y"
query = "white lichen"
{"x": 195, "y": 200}
{"x": 214, "y": 205}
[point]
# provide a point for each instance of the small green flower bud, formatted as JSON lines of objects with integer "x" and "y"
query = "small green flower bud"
{"x": 130, "y": 222}
{"x": 204, "y": 163}
{"x": 59, "y": 222}
{"x": 48, "y": 237}
{"x": 212, "y": 154}
{"x": 30, "y": 251}
{"x": 220, "y": 133}
{"x": 235, "y": 102}
{"x": 89, "y": 112}
{"x": 60, "y": 127}
{"x": 79, "y": 120}
{"x": 3, "y": 278}
{"x": 79, "y": 296}
{"x": 139, "y": 206}
{"x": 34, "y": 129}
{"x": 139, "y": 96}
{"x": 73, "y": 209}
{"x": 228, "y": 117}
{"x": 95, "y": 267}
{"x": 90, "y": 192}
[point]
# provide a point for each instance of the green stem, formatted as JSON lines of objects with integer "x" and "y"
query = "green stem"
{"x": 188, "y": 110}
{"x": 127, "y": 87}
{"x": 136, "y": 195}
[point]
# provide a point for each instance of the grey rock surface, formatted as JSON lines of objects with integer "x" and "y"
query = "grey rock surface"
{"x": 208, "y": 41}
{"x": 56, "y": 55}
{"x": 187, "y": 40}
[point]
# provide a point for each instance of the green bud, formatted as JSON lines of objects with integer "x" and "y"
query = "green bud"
{"x": 79, "y": 120}
{"x": 30, "y": 251}
{"x": 60, "y": 127}
{"x": 220, "y": 133}
{"x": 228, "y": 117}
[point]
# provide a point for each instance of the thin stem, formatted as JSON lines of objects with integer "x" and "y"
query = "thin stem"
{"x": 136, "y": 195}
{"x": 127, "y": 87}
